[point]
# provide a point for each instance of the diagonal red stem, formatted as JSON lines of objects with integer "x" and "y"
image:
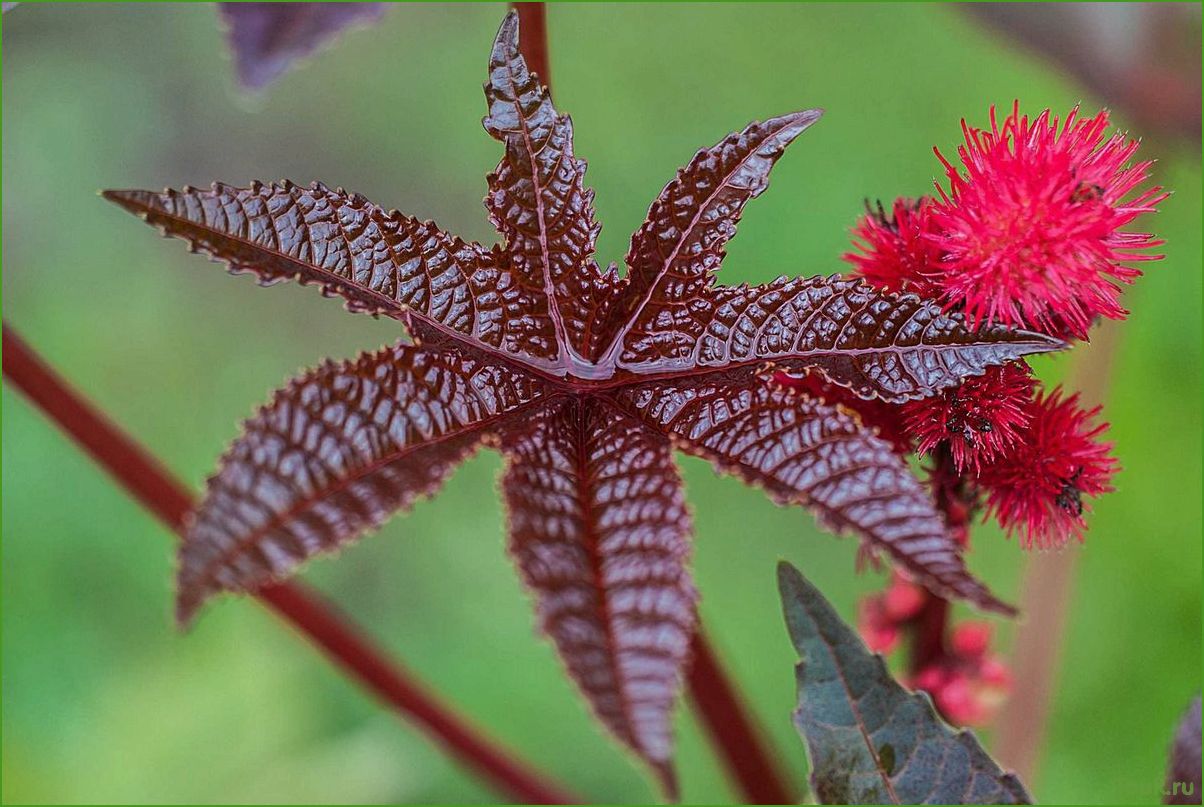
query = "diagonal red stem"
{"x": 341, "y": 641}
{"x": 731, "y": 727}
{"x": 746, "y": 756}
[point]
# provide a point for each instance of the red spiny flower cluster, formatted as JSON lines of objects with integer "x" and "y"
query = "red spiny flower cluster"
{"x": 899, "y": 251}
{"x": 1030, "y": 232}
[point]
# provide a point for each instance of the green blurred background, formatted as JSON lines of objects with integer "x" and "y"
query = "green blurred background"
{"x": 105, "y": 701}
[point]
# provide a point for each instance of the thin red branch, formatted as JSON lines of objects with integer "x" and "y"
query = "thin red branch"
{"x": 153, "y": 487}
{"x": 533, "y": 39}
{"x": 732, "y": 729}
{"x": 928, "y": 640}
{"x": 745, "y": 753}
{"x": 930, "y": 626}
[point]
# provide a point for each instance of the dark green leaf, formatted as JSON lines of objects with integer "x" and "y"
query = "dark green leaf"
{"x": 870, "y": 740}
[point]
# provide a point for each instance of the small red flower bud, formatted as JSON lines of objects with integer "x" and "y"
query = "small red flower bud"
{"x": 902, "y": 600}
{"x": 880, "y": 634}
{"x": 970, "y": 640}
{"x": 931, "y": 679}
{"x": 958, "y": 701}
{"x": 968, "y": 686}
{"x": 995, "y": 673}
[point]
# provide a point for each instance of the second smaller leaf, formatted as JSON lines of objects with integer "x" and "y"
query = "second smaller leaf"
{"x": 870, "y": 740}
{"x": 266, "y": 38}
{"x": 1183, "y": 771}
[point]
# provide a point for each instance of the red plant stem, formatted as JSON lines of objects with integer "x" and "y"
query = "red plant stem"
{"x": 533, "y": 39}
{"x": 155, "y": 489}
{"x": 732, "y": 730}
{"x": 350, "y": 650}
{"x": 929, "y": 626}
{"x": 745, "y": 754}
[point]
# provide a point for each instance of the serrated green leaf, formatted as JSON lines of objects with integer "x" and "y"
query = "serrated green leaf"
{"x": 870, "y": 740}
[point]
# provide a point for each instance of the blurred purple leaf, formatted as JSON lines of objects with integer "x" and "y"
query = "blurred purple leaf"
{"x": 1183, "y": 770}
{"x": 1141, "y": 58}
{"x": 266, "y": 38}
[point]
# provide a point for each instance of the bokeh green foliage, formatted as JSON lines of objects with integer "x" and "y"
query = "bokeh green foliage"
{"x": 104, "y": 701}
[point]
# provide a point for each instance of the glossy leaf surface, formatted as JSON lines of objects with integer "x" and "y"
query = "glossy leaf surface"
{"x": 537, "y": 197}
{"x": 378, "y": 262}
{"x": 267, "y": 38}
{"x": 880, "y": 345}
{"x": 821, "y": 457}
{"x": 334, "y": 454}
{"x": 870, "y": 740}
{"x": 599, "y": 529}
{"x": 584, "y": 379}
{"x": 677, "y": 250}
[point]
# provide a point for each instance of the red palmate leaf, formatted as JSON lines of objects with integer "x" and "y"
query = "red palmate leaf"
{"x": 336, "y": 453}
{"x": 820, "y": 456}
{"x": 895, "y": 348}
{"x": 537, "y": 198}
{"x": 599, "y": 529}
{"x": 378, "y": 262}
{"x": 584, "y": 381}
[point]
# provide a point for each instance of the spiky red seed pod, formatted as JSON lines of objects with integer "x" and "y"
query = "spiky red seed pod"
{"x": 896, "y": 251}
{"x": 1030, "y": 228}
{"x": 1037, "y": 488}
{"x": 979, "y": 419}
